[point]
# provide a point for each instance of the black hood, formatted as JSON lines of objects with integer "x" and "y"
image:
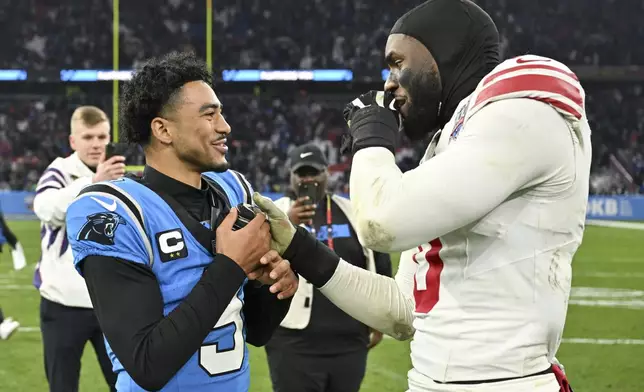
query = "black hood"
{"x": 463, "y": 40}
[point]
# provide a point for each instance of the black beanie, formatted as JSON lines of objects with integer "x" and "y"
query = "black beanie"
{"x": 463, "y": 40}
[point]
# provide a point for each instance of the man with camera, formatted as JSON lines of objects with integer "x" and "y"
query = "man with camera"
{"x": 318, "y": 347}
{"x": 67, "y": 320}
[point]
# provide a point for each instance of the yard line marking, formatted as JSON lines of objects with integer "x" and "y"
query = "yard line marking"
{"x": 632, "y": 304}
{"x": 599, "y": 292}
{"x": 29, "y": 329}
{"x": 17, "y": 287}
{"x": 607, "y": 297}
{"x": 638, "y": 342}
{"x": 387, "y": 373}
{"x": 616, "y": 224}
{"x": 608, "y": 260}
{"x": 620, "y": 275}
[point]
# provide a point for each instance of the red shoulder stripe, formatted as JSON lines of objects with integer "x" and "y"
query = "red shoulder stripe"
{"x": 493, "y": 76}
{"x": 534, "y": 83}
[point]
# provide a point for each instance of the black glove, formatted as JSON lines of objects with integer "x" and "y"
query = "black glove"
{"x": 372, "y": 121}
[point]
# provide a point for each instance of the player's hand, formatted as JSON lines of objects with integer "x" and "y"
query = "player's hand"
{"x": 246, "y": 245}
{"x": 373, "y": 122}
{"x": 282, "y": 230}
{"x": 375, "y": 337}
{"x": 276, "y": 272}
{"x": 301, "y": 212}
{"x": 110, "y": 169}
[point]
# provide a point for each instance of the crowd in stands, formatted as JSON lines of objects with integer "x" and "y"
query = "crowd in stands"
{"x": 287, "y": 34}
{"x": 265, "y": 127}
{"x": 33, "y": 132}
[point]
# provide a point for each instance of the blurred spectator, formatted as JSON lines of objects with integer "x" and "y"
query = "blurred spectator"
{"x": 282, "y": 34}
{"x": 285, "y": 34}
{"x": 265, "y": 128}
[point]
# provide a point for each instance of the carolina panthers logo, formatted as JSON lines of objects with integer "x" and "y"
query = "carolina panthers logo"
{"x": 100, "y": 228}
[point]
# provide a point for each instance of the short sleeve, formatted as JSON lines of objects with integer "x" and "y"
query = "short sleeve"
{"x": 100, "y": 224}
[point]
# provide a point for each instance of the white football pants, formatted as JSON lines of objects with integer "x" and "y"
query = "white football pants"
{"x": 542, "y": 383}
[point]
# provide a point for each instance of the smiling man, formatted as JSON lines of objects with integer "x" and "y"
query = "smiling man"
{"x": 166, "y": 272}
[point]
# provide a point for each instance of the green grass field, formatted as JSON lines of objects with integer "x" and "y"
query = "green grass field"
{"x": 603, "y": 350}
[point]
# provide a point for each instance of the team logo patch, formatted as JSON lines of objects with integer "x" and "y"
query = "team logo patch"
{"x": 171, "y": 244}
{"x": 460, "y": 121}
{"x": 100, "y": 228}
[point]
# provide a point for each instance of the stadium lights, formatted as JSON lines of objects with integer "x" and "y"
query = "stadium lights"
{"x": 13, "y": 74}
{"x": 93, "y": 75}
{"x": 315, "y": 75}
{"x": 237, "y": 75}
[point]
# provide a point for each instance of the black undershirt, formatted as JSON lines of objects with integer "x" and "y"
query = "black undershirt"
{"x": 330, "y": 330}
{"x": 151, "y": 347}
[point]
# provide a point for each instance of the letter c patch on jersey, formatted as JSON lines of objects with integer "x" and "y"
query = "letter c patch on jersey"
{"x": 171, "y": 244}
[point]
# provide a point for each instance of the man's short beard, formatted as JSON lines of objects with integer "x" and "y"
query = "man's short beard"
{"x": 213, "y": 167}
{"x": 424, "y": 89}
{"x": 203, "y": 167}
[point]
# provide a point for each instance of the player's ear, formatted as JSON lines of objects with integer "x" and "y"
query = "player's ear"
{"x": 72, "y": 143}
{"x": 160, "y": 130}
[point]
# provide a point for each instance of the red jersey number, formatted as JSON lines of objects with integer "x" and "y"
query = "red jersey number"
{"x": 428, "y": 275}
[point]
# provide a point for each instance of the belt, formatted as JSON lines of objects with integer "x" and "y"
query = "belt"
{"x": 541, "y": 373}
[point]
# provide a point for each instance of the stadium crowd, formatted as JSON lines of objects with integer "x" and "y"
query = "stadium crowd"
{"x": 283, "y": 34}
{"x": 265, "y": 128}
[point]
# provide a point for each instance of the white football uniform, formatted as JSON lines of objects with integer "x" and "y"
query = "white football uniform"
{"x": 56, "y": 277}
{"x": 493, "y": 215}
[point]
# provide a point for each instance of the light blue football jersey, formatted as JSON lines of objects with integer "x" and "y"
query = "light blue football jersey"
{"x": 125, "y": 219}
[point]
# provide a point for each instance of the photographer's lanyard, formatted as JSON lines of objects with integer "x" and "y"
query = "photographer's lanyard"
{"x": 329, "y": 226}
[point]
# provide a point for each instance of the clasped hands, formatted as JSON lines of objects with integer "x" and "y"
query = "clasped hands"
{"x": 257, "y": 249}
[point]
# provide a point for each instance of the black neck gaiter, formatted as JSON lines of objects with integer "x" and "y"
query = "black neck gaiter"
{"x": 463, "y": 40}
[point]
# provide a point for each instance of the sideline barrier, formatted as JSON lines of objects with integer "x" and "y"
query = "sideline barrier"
{"x": 18, "y": 205}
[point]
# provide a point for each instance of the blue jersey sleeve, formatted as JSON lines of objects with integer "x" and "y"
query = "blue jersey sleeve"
{"x": 101, "y": 224}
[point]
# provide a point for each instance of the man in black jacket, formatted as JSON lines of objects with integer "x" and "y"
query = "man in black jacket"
{"x": 319, "y": 348}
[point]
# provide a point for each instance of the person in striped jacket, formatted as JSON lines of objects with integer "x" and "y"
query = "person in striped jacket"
{"x": 67, "y": 319}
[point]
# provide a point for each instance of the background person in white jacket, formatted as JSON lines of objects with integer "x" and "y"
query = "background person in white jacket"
{"x": 318, "y": 347}
{"x": 67, "y": 319}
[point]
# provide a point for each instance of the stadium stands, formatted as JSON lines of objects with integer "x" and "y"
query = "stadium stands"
{"x": 33, "y": 131}
{"x": 283, "y": 34}
{"x": 289, "y": 34}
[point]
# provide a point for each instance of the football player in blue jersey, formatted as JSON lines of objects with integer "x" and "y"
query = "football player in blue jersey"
{"x": 177, "y": 291}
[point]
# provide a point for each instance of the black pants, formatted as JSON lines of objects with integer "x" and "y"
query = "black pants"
{"x": 292, "y": 372}
{"x": 65, "y": 331}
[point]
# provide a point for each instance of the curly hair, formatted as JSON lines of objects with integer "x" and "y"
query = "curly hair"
{"x": 153, "y": 90}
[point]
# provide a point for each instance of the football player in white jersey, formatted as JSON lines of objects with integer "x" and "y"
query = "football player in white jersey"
{"x": 488, "y": 222}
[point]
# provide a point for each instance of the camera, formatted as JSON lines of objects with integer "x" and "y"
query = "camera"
{"x": 310, "y": 189}
{"x": 114, "y": 149}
